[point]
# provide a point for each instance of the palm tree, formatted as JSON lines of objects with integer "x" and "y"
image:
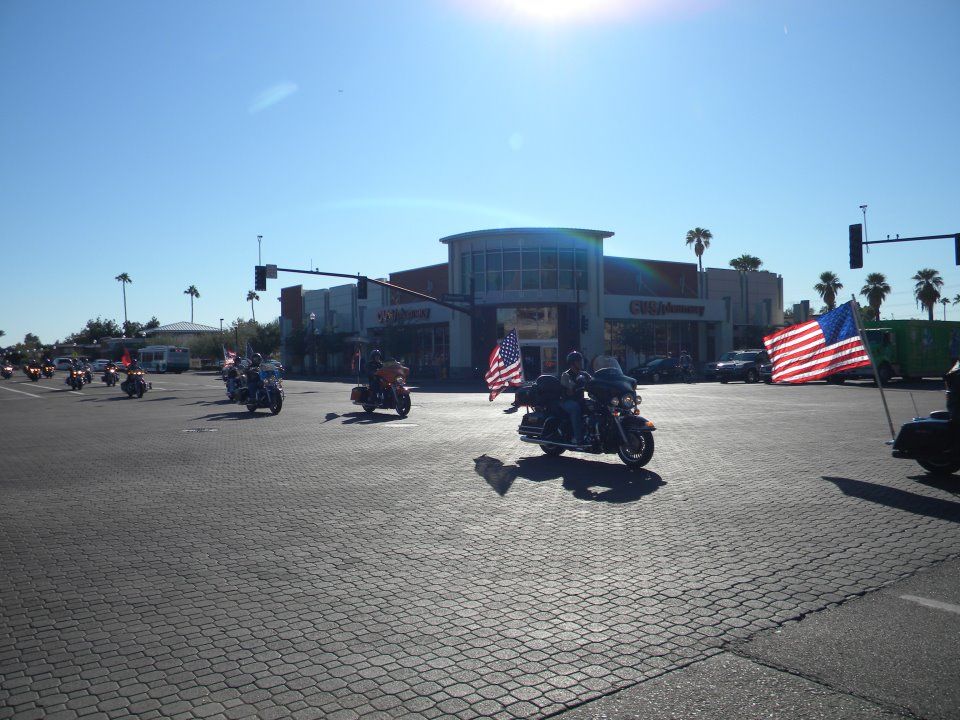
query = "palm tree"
{"x": 926, "y": 291}
{"x": 700, "y": 239}
{"x": 828, "y": 287}
{"x": 944, "y": 301}
{"x": 251, "y": 296}
{"x": 746, "y": 263}
{"x": 193, "y": 293}
{"x": 875, "y": 291}
{"x": 124, "y": 279}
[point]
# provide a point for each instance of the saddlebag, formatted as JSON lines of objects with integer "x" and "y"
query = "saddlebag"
{"x": 927, "y": 436}
{"x": 532, "y": 424}
{"x": 359, "y": 393}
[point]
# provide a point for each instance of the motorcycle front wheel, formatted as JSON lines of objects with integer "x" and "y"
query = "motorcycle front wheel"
{"x": 252, "y": 407}
{"x": 403, "y": 405}
{"x": 552, "y": 450}
{"x": 943, "y": 468}
{"x": 277, "y": 405}
{"x": 638, "y": 450}
{"x": 369, "y": 408}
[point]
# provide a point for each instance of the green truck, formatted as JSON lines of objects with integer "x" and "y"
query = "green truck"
{"x": 909, "y": 349}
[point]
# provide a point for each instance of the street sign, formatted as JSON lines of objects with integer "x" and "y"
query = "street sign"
{"x": 271, "y": 272}
{"x": 455, "y": 298}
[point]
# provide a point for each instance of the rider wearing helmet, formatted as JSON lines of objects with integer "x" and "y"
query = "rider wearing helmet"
{"x": 573, "y": 380}
{"x": 253, "y": 376}
{"x": 373, "y": 364}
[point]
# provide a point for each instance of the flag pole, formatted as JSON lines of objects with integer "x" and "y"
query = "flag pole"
{"x": 855, "y": 309}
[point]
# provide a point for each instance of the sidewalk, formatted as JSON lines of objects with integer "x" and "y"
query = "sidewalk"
{"x": 893, "y": 653}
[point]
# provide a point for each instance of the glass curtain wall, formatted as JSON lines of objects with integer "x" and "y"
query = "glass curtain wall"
{"x": 525, "y": 268}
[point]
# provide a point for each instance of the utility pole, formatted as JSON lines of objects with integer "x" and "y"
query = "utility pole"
{"x": 259, "y": 247}
{"x": 863, "y": 208}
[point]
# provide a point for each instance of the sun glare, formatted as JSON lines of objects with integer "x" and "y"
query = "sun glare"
{"x": 570, "y": 11}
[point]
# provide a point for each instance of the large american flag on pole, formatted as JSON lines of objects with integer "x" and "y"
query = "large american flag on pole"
{"x": 818, "y": 348}
{"x": 505, "y": 367}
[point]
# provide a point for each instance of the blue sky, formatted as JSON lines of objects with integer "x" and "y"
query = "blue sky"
{"x": 161, "y": 139}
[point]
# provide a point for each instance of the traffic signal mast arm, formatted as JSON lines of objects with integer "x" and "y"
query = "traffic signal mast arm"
{"x": 383, "y": 283}
{"x": 857, "y": 242}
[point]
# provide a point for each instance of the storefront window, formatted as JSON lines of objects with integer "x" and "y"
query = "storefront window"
{"x": 511, "y": 279}
{"x": 531, "y": 280}
{"x": 548, "y": 279}
{"x": 494, "y": 281}
{"x": 511, "y": 260}
{"x": 531, "y": 323}
{"x": 529, "y": 268}
{"x": 494, "y": 261}
{"x": 531, "y": 259}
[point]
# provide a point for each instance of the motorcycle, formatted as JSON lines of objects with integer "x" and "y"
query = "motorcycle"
{"x": 934, "y": 441}
{"x": 110, "y": 376}
{"x": 32, "y": 372}
{"x": 135, "y": 384}
{"x": 47, "y": 370}
{"x": 269, "y": 392}
{"x": 233, "y": 378}
{"x": 393, "y": 393}
{"x": 6, "y": 370}
{"x": 612, "y": 422}
{"x": 76, "y": 378}
{"x": 87, "y": 374}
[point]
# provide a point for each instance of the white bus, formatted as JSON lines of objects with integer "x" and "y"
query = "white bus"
{"x": 164, "y": 358}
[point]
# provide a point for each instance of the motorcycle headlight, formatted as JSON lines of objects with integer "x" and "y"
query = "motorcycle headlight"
{"x": 627, "y": 400}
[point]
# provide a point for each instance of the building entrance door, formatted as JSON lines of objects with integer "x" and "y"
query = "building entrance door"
{"x": 538, "y": 358}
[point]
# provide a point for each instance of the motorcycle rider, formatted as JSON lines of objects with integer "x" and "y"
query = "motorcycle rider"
{"x": 373, "y": 364}
{"x": 253, "y": 377}
{"x": 686, "y": 366}
{"x": 573, "y": 380}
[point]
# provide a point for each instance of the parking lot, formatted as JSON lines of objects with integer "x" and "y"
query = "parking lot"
{"x": 177, "y": 556}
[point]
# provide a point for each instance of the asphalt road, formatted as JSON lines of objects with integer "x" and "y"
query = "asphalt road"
{"x": 176, "y": 556}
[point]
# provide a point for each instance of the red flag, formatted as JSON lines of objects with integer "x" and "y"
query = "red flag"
{"x": 126, "y": 357}
{"x": 355, "y": 360}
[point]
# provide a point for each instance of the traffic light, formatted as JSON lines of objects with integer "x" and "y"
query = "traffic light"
{"x": 856, "y": 246}
{"x": 362, "y": 287}
{"x": 584, "y": 323}
{"x": 260, "y": 278}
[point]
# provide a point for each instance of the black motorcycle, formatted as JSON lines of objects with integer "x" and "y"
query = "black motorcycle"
{"x": 934, "y": 441}
{"x": 135, "y": 384}
{"x": 6, "y": 370}
{"x": 110, "y": 376}
{"x": 76, "y": 378}
{"x": 32, "y": 372}
{"x": 269, "y": 392}
{"x": 47, "y": 370}
{"x": 612, "y": 422}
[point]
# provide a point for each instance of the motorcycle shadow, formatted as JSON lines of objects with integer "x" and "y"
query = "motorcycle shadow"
{"x": 590, "y": 480}
{"x": 950, "y": 483}
{"x": 365, "y": 418}
{"x": 243, "y": 414}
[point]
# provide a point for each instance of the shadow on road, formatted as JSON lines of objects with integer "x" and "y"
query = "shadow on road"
{"x": 330, "y": 416}
{"x": 365, "y": 418}
{"x": 161, "y": 399}
{"x": 950, "y": 484}
{"x": 584, "y": 479}
{"x": 899, "y": 499}
{"x": 236, "y": 415}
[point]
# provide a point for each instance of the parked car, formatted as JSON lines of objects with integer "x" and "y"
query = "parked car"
{"x": 634, "y": 372}
{"x": 99, "y": 365}
{"x": 657, "y": 371}
{"x": 766, "y": 373}
{"x": 62, "y": 363}
{"x": 745, "y": 365}
{"x": 710, "y": 368}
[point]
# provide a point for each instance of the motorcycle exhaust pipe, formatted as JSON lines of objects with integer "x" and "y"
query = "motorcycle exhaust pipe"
{"x": 535, "y": 441}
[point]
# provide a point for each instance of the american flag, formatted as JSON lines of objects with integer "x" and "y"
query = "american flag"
{"x": 505, "y": 368}
{"x": 818, "y": 348}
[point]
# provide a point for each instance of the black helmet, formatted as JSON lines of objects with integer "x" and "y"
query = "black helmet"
{"x": 256, "y": 358}
{"x": 574, "y": 355}
{"x": 376, "y": 355}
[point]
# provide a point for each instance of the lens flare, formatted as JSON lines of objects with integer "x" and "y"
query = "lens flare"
{"x": 578, "y": 11}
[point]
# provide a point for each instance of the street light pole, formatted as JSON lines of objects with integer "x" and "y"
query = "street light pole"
{"x": 221, "y": 326}
{"x": 259, "y": 255}
{"x": 313, "y": 341}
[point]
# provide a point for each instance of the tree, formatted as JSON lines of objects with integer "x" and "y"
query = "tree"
{"x": 251, "y": 296}
{"x": 2, "y": 333}
{"x": 31, "y": 340}
{"x": 956, "y": 299}
{"x": 926, "y": 290}
{"x": 124, "y": 280}
{"x": 700, "y": 239}
{"x": 152, "y": 324}
{"x": 944, "y": 301}
{"x": 875, "y": 291}
{"x": 94, "y": 330}
{"x": 193, "y": 293}
{"x": 746, "y": 263}
{"x": 132, "y": 328}
{"x": 828, "y": 287}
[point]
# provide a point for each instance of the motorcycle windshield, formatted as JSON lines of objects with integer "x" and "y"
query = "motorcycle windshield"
{"x": 607, "y": 362}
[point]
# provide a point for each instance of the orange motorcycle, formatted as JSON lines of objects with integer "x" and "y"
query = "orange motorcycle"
{"x": 393, "y": 392}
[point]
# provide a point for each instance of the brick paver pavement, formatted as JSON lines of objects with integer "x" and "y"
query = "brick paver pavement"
{"x": 324, "y": 564}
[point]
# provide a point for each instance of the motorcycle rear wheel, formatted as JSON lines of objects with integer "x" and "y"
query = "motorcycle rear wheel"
{"x": 942, "y": 469}
{"x": 640, "y": 450}
{"x": 552, "y": 450}
{"x": 252, "y": 407}
{"x": 369, "y": 408}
